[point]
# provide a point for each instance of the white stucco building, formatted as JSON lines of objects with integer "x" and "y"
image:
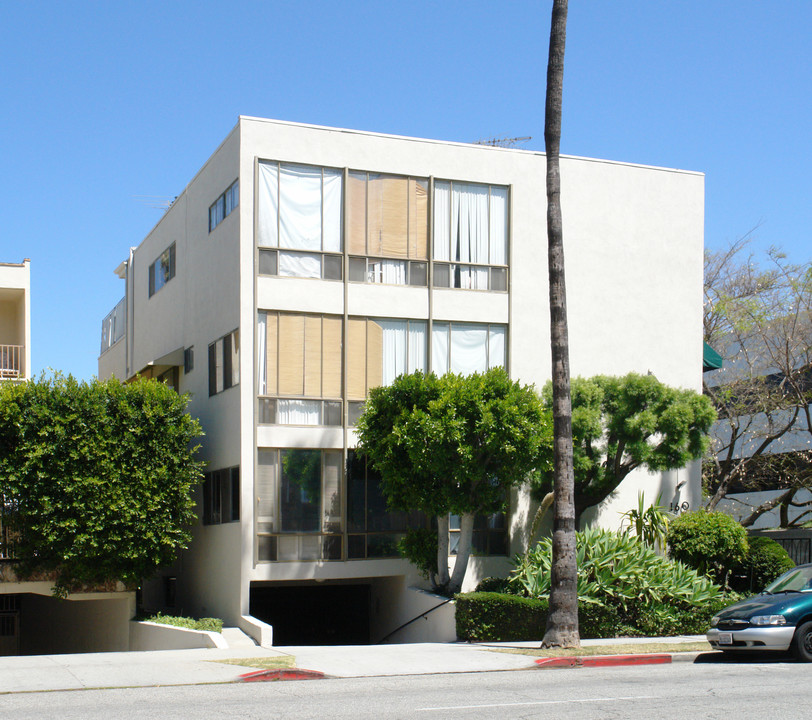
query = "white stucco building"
{"x": 303, "y": 265}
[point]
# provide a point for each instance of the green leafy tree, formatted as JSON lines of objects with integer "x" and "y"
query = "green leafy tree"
{"x": 95, "y": 478}
{"x": 623, "y": 423}
{"x": 453, "y": 445}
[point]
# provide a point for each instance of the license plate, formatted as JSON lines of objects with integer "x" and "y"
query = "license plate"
{"x": 725, "y": 638}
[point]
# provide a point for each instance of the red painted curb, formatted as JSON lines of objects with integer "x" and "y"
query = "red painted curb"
{"x": 605, "y": 660}
{"x": 292, "y": 674}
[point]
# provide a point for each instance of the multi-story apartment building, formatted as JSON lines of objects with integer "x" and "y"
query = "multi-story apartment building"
{"x": 303, "y": 265}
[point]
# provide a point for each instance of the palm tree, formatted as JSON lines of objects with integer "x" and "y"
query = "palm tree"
{"x": 562, "y": 620}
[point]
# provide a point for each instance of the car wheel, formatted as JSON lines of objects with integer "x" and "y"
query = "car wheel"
{"x": 802, "y": 642}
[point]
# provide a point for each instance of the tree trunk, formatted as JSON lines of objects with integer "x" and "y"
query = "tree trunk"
{"x": 463, "y": 552}
{"x": 442, "y": 553}
{"x": 543, "y": 507}
{"x": 562, "y": 620}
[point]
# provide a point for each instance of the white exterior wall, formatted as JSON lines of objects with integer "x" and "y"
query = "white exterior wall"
{"x": 633, "y": 241}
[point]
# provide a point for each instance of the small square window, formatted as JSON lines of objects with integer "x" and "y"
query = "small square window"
{"x": 442, "y": 276}
{"x": 268, "y": 262}
{"x": 332, "y": 267}
{"x": 332, "y": 413}
{"x": 418, "y": 273}
{"x": 358, "y": 270}
{"x": 499, "y": 279}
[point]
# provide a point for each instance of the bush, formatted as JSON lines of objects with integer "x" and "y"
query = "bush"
{"x": 494, "y": 585}
{"x": 502, "y": 617}
{"x": 616, "y": 570}
{"x": 712, "y": 543}
{"x": 497, "y": 617}
{"x": 765, "y": 561}
{"x": 419, "y": 547}
{"x": 205, "y": 624}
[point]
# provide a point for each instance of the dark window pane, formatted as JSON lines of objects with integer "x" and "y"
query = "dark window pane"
{"x": 331, "y": 547}
{"x": 213, "y": 369}
{"x": 358, "y": 270}
{"x": 356, "y": 493}
{"x": 356, "y": 547}
{"x": 227, "y": 369}
{"x": 235, "y": 494}
{"x": 268, "y": 262}
{"x": 188, "y": 360}
{"x": 382, "y": 546}
{"x": 354, "y": 410}
{"x": 266, "y": 552}
{"x": 331, "y": 267}
{"x": 332, "y": 413}
{"x": 418, "y": 273}
{"x": 300, "y": 500}
{"x": 441, "y": 276}
{"x": 499, "y": 279}
{"x": 267, "y": 411}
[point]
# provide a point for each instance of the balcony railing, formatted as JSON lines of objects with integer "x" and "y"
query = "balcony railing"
{"x": 112, "y": 327}
{"x": 12, "y": 361}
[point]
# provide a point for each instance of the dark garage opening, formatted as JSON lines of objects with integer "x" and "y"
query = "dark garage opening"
{"x": 314, "y": 614}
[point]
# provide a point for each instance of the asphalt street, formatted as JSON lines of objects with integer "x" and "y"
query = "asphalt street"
{"x": 754, "y": 688}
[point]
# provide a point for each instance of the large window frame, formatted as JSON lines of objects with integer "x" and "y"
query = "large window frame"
{"x": 162, "y": 270}
{"x": 224, "y": 363}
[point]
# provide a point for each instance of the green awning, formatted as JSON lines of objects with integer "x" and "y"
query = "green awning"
{"x": 711, "y": 360}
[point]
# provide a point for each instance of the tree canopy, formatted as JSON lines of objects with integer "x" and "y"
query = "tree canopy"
{"x": 95, "y": 478}
{"x": 623, "y": 423}
{"x": 453, "y": 445}
{"x": 758, "y": 316}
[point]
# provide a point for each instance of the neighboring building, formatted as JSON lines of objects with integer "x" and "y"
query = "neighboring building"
{"x": 15, "y": 320}
{"x": 303, "y": 265}
{"x": 31, "y": 621}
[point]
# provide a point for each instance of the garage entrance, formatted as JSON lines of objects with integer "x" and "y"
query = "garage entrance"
{"x": 314, "y": 614}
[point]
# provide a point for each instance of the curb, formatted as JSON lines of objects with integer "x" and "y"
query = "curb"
{"x": 615, "y": 660}
{"x": 287, "y": 674}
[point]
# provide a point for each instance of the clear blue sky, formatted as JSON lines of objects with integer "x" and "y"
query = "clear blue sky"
{"x": 105, "y": 102}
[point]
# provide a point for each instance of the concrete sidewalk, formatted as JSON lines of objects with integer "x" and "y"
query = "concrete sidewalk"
{"x": 37, "y": 673}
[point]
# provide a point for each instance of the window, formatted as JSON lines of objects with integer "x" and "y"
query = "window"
{"x": 222, "y": 207}
{"x": 300, "y": 264}
{"x": 470, "y": 234}
{"x": 298, "y": 511}
{"x": 372, "y": 529}
{"x": 162, "y": 270}
{"x": 224, "y": 363}
{"x": 489, "y": 538}
{"x": 467, "y": 348}
{"x": 380, "y": 350}
{"x": 188, "y": 360}
{"x": 221, "y": 496}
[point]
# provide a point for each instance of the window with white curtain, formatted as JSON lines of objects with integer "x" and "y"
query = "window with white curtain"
{"x": 467, "y": 348}
{"x": 380, "y": 350}
{"x": 299, "y": 207}
{"x": 470, "y": 235}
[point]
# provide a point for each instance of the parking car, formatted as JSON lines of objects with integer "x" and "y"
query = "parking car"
{"x": 780, "y": 618}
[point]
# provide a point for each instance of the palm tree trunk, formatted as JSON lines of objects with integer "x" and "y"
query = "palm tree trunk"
{"x": 562, "y": 620}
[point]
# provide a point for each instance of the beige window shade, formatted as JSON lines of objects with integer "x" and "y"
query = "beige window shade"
{"x": 312, "y": 356}
{"x": 291, "y": 354}
{"x": 387, "y": 215}
{"x": 331, "y": 357}
{"x": 356, "y": 225}
{"x": 265, "y": 487}
{"x": 271, "y": 350}
{"x": 374, "y": 355}
{"x": 357, "y": 355}
{"x": 418, "y": 219}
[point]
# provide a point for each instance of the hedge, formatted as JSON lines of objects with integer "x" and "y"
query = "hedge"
{"x": 499, "y": 617}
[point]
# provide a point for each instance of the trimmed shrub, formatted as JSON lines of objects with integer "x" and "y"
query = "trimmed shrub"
{"x": 712, "y": 543}
{"x": 497, "y": 617}
{"x": 204, "y": 624}
{"x": 765, "y": 561}
{"x": 501, "y": 617}
{"x": 495, "y": 585}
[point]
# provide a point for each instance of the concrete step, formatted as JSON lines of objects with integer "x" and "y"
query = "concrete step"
{"x": 236, "y": 638}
